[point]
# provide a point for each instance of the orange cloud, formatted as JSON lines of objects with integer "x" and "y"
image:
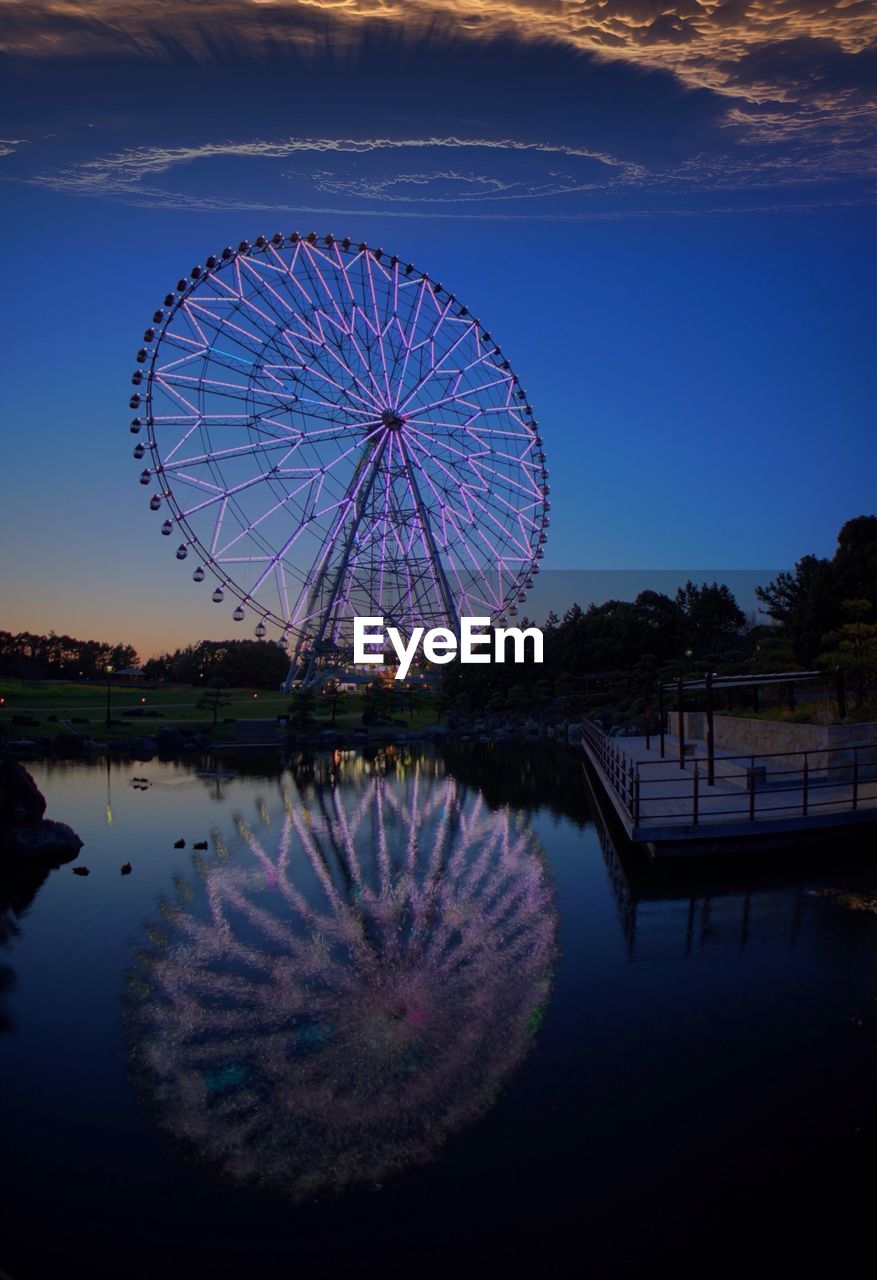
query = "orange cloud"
{"x": 703, "y": 42}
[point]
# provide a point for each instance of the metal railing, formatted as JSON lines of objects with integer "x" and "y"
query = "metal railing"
{"x": 748, "y": 787}
{"x": 619, "y": 769}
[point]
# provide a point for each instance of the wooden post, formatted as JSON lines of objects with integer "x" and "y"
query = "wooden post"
{"x": 694, "y": 797}
{"x": 791, "y": 696}
{"x": 681, "y": 715}
{"x": 636, "y": 800}
{"x": 648, "y": 719}
{"x": 750, "y": 782}
{"x": 710, "y": 747}
{"x": 755, "y": 706}
{"x": 806, "y": 797}
{"x": 855, "y": 777}
{"x": 661, "y": 714}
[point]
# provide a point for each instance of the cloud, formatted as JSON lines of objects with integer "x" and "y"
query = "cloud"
{"x": 132, "y": 174}
{"x": 701, "y": 41}
{"x": 789, "y": 69}
{"x": 503, "y": 179}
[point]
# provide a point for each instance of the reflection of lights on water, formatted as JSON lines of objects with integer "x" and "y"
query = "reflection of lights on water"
{"x": 327, "y": 1004}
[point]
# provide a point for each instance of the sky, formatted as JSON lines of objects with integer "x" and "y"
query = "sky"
{"x": 664, "y": 211}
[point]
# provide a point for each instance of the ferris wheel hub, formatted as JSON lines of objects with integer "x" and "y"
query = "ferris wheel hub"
{"x": 392, "y": 421}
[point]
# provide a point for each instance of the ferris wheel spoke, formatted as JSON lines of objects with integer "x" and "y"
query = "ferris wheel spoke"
{"x": 467, "y": 492}
{"x": 442, "y": 316}
{"x": 470, "y": 328}
{"x": 424, "y": 518}
{"x": 253, "y": 526}
{"x": 314, "y": 364}
{"x": 446, "y": 446}
{"x": 219, "y": 319}
{"x": 313, "y": 477}
{"x": 314, "y": 336}
{"x": 380, "y": 327}
{"x": 219, "y": 455}
{"x": 456, "y": 484}
{"x": 345, "y": 325}
{"x": 407, "y": 337}
{"x": 221, "y": 495}
{"x": 376, "y": 392}
{"x": 202, "y": 339}
{"x": 533, "y": 493}
{"x": 246, "y": 303}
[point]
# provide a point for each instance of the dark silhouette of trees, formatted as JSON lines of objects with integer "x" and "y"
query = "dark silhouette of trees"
{"x": 711, "y": 618}
{"x": 28, "y": 656}
{"x": 808, "y": 603}
{"x": 251, "y": 663}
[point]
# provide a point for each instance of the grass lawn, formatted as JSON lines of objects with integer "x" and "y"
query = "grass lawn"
{"x": 176, "y": 707}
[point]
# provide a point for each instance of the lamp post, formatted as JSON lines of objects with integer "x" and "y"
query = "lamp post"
{"x": 109, "y": 671}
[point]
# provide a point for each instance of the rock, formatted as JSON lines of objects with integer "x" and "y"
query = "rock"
{"x": 45, "y": 841}
{"x": 126, "y": 869}
{"x": 20, "y": 798}
{"x": 200, "y": 844}
{"x": 81, "y": 871}
{"x": 179, "y": 844}
{"x": 25, "y": 835}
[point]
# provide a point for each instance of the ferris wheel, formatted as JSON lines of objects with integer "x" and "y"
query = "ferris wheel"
{"x": 329, "y": 432}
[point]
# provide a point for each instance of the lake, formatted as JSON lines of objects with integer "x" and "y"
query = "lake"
{"x": 412, "y": 1010}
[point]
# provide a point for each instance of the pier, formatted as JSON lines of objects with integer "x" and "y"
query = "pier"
{"x": 669, "y": 804}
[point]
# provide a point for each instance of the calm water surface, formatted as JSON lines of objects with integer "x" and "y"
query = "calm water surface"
{"x": 413, "y": 1012}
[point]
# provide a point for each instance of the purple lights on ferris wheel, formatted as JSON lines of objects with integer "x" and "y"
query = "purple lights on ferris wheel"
{"x": 351, "y": 979}
{"x": 334, "y": 434}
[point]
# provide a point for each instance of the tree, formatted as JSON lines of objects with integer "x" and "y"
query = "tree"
{"x": 213, "y": 698}
{"x": 804, "y": 603}
{"x": 379, "y": 705}
{"x": 808, "y": 603}
{"x": 712, "y": 617}
{"x": 854, "y": 567}
{"x": 301, "y": 711}
{"x": 852, "y": 648}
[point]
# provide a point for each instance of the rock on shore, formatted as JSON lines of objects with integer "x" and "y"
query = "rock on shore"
{"x": 24, "y": 832}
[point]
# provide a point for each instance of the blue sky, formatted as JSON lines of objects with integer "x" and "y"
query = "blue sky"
{"x": 665, "y": 213}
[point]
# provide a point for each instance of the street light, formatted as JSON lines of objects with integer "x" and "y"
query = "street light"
{"x": 109, "y": 671}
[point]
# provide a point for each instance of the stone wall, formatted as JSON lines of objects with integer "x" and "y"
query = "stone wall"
{"x": 828, "y": 745}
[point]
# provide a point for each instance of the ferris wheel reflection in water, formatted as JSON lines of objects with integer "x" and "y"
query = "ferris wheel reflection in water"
{"x": 351, "y": 983}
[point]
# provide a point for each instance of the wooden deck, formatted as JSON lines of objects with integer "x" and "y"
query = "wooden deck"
{"x": 672, "y": 809}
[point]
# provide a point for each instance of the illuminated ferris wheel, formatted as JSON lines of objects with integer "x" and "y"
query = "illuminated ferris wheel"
{"x": 328, "y": 432}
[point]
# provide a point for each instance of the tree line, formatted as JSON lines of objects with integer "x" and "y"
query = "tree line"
{"x": 254, "y": 664}
{"x": 822, "y": 614}
{"x": 27, "y": 656}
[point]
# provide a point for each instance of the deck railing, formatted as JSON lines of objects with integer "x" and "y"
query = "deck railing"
{"x": 821, "y": 778}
